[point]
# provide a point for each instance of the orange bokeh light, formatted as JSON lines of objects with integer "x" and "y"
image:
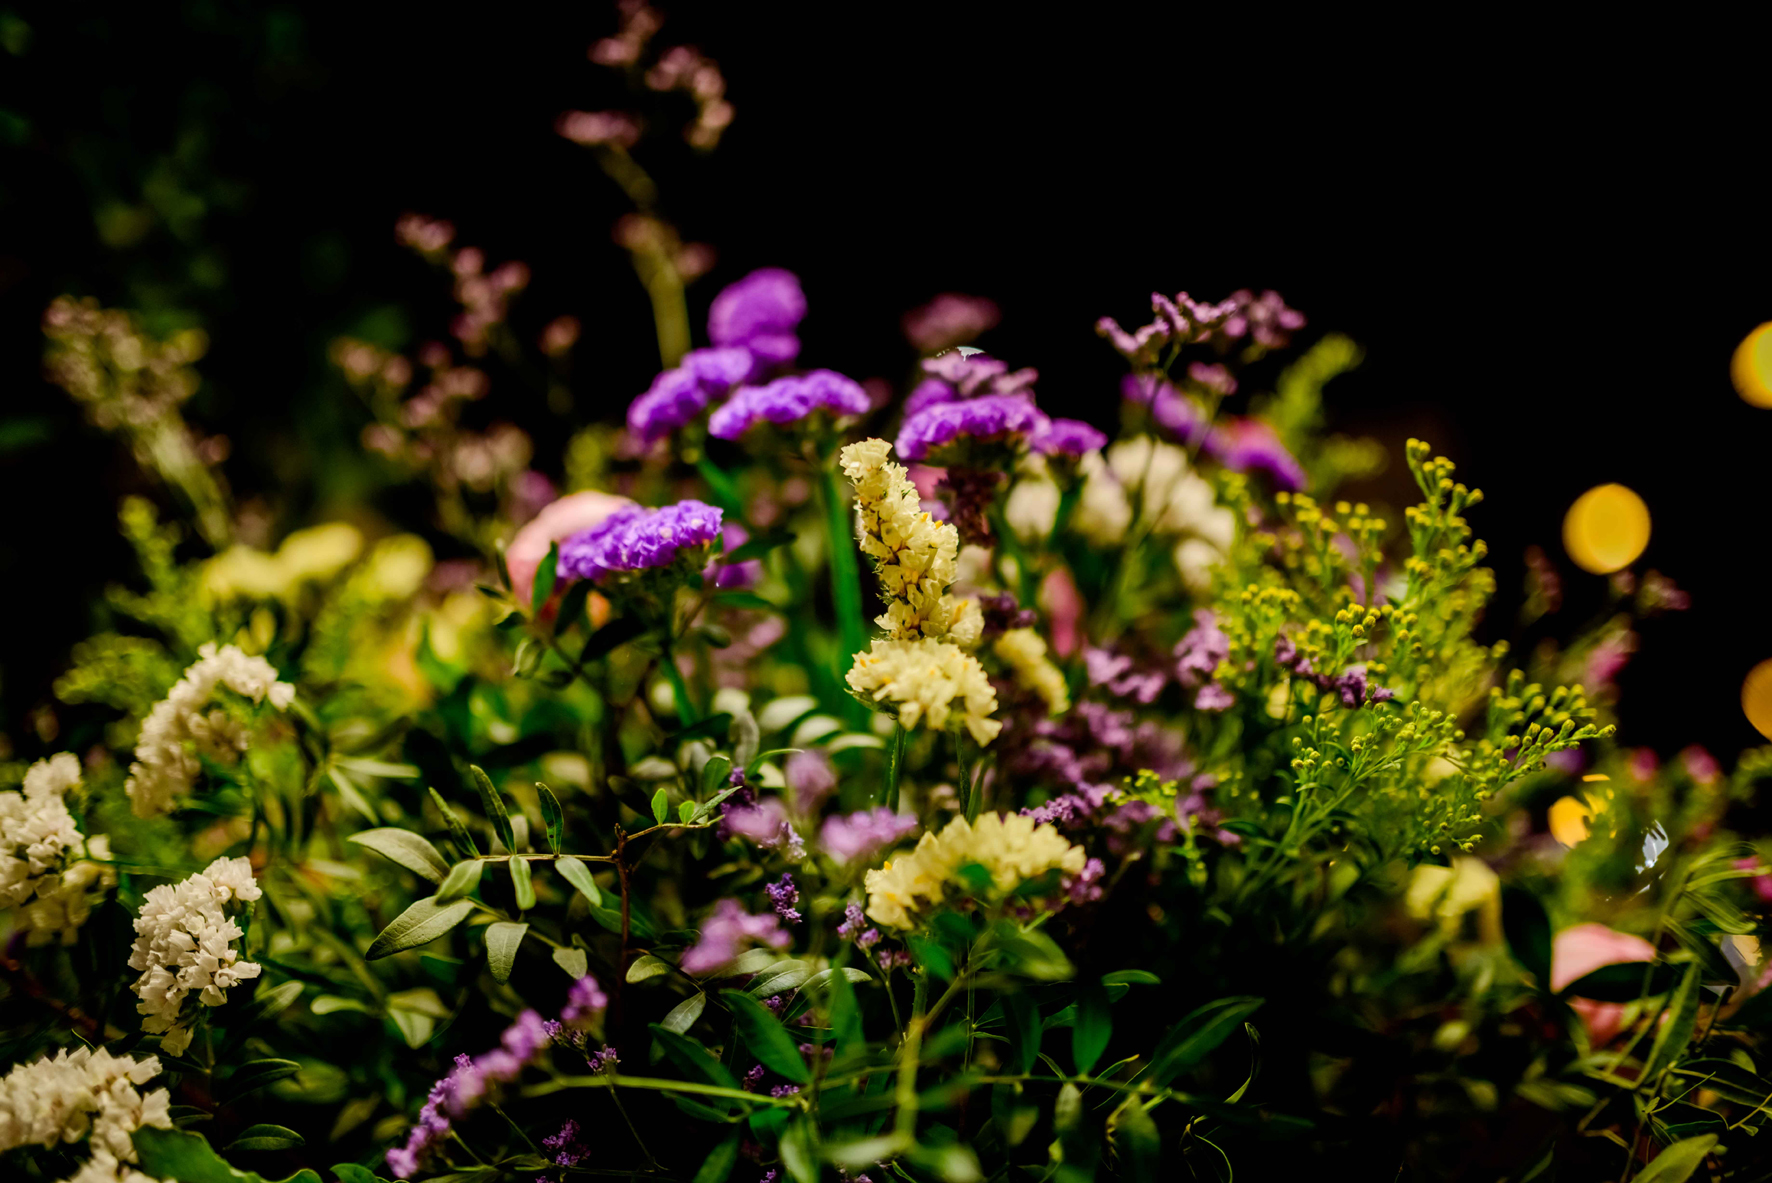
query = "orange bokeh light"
{"x": 1606, "y": 529}
{"x": 1751, "y": 367}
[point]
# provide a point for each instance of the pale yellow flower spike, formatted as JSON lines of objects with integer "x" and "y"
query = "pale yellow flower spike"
{"x": 1009, "y": 846}
{"x": 1024, "y": 651}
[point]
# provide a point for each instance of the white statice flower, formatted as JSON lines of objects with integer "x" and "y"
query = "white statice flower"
{"x": 1010, "y": 847}
{"x": 927, "y": 682}
{"x": 184, "y": 946}
{"x": 45, "y": 862}
{"x": 180, "y": 727}
{"x": 1032, "y": 507}
{"x": 108, "y": 1170}
{"x": 1171, "y": 501}
{"x": 84, "y": 1093}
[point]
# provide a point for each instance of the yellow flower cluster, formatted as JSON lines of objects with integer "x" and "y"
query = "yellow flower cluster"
{"x": 928, "y": 682}
{"x": 1008, "y": 846}
{"x": 1024, "y": 651}
{"x": 914, "y": 555}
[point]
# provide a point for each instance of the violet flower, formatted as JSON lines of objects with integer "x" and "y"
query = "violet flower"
{"x": 765, "y": 823}
{"x": 788, "y": 400}
{"x": 1174, "y": 413}
{"x": 811, "y": 779}
{"x": 585, "y": 1002}
{"x": 1067, "y": 437}
{"x": 636, "y": 539}
{"x": 1198, "y": 653}
{"x": 678, "y": 395}
{"x": 461, "y": 1089}
{"x": 1121, "y": 677}
{"x": 761, "y": 313}
{"x": 731, "y": 575}
{"x": 1006, "y": 418}
{"x": 1249, "y": 445}
{"x": 726, "y": 932}
{"x": 1213, "y": 377}
{"x": 782, "y": 897}
{"x": 859, "y": 836}
{"x": 855, "y": 927}
{"x": 568, "y": 1146}
{"x": 1214, "y": 697}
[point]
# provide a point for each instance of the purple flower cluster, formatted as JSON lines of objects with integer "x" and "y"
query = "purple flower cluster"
{"x": 568, "y": 1147}
{"x": 761, "y": 313}
{"x": 458, "y": 1092}
{"x": 765, "y": 823}
{"x": 730, "y": 575}
{"x": 859, "y": 836}
{"x": 855, "y": 928}
{"x": 1123, "y": 677}
{"x": 966, "y": 373}
{"x": 1241, "y": 444}
{"x": 637, "y": 539}
{"x": 723, "y": 934}
{"x": 1197, "y": 654}
{"x": 1249, "y": 445}
{"x": 1088, "y": 749}
{"x": 788, "y": 400}
{"x": 811, "y": 779}
{"x": 678, "y": 395}
{"x": 782, "y": 897}
{"x": 1351, "y": 686}
{"x": 949, "y": 320}
{"x": 1067, "y": 437}
{"x": 585, "y": 1002}
{"x": 993, "y": 417}
{"x": 1085, "y": 887}
{"x": 1173, "y": 412}
{"x": 1264, "y": 319}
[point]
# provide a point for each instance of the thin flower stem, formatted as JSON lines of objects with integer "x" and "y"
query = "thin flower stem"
{"x": 686, "y": 711}
{"x": 845, "y": 575}
{"x": 894, "y": 765}
{"x": 656, "y": 1084}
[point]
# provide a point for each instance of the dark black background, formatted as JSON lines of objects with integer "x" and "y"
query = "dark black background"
{"x": 1549, "y": 239}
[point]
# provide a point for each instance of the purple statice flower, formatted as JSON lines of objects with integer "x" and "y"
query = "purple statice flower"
{"x": 859, "y": 836}
{"x": 891, "y": 959}
{"x": 855, "y": 928}
{"x": 568, "y": 1146}
{"x": 725, "y": 932}
{"x": 1351, "y": 686}
{"x": 1177, "y": 322}
{"x": 1085, "y": 887}
{"x": 679, "y": 394}
{"x": 949, "y": 320}
{"x": 753, "y": 1079}
{"x": 1198, "y": 653}
{"x": 775, "y": 1003}
{"x": 1249, "y": 445}
{"x": 1173, "y": 412}
{"x": 1122, "y": 677}
{"x": 1265, "y": 318}
{"x": 730, "y": 575}
{"x": 585, "y": 1002}
{"x": 461, "y": 1089}
{"x": 782, "y": 897}
{"x": 788, "y": 400}
{"x": 1214, "y": 697}
{"x": 603, "y": 1059}
{"x": 1214, "y": 377}
{"x": 969, "y": 373}
{"x": 810, "y": 779}
{"x": 992, "y": 418}
{"x": 812, "y": 1051}
{"x": 760, "y": 313}
{"x": 1003, "y": 612}
{"x": 637, "y": 539}
{"x": 765, "y": 823}
{"x": 784, "y": 1090}
{"x": 768, "y": 1176}
{"x": 1067, "y": 437}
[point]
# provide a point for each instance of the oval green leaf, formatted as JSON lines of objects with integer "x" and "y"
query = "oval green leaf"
{"x": 579, "y": 875}
{"x": 765, "y": 1036}
{"x": 503, "y": 938}
{"x": 406, "y": 848}
{"x": 420, "y": 924}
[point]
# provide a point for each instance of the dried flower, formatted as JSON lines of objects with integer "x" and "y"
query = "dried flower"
{"x": 760, "y": 313}
{"x": 927, "y": 682}
{"x": 1010, "y": 848}
{"x": 948, "y": 320}
{"x": 184, "y": 945}
{"x": 788, "y": 400}
{"x": 84, "y": 1093}
{"x": 677, "y": 396}
{"x": 1024, "y": 651}
{"x": 571, "y": 514}
{"x": 633, "y": 539}
{"x": 1001, "y": 420}
{"x": 724, "y": 933}
{"x": 857, "y": 837}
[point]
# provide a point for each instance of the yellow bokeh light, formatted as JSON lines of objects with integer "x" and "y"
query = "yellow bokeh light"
{"x": 1568, "y": 820}
{"x": 1751, "y": 367}
{"x": 1606, "y": 529}
{"x": 1756, "y": 697}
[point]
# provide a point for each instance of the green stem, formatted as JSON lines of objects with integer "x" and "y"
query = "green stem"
{"x": 686, "y": 712}
{"x": 970, "y": 796}
{"x": 845, "y": 574}
{"x": 894, "y": 765}
{"x": 656, "y": 1084}
{"x": 908, "y": 1054}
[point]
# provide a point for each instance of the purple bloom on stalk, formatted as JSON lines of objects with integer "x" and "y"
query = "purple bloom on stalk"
{"x": 1004, "y": 417}
{"x": 788, "y": 400}
{"x": 811, "y": 779}
{"x": 855, "y": 928}
{"x": 753, "y": 1078}
{"x": 723, "y": 934}
{"x": 636, "y": 539}
{"x": 782, "y": 897}
{"x": 1085, "y": 887}
{"x": 461, "y": 1089}
{"x": 678, "y": 395}
{"x": 784, "y": 1090}
{"x": 949, "y": 320}
{"x": 1067, "y": 437}
{"x": 1213, "y": 377}
{"x": 761, "y": 313}
{"x": 585, "y": 1001}
{"x": 765, "y": 823}
{"x": 603, "y": 1059}
{"x": 1119, "y": 674}
{"x": 1245, "y": 445}
{"x": 1171, "y": 410}
{"x": 729, "y": 575}
{"x": 1214, "y": 697}
{"x": 568, "y": 1145}
{"x": 1199, "y": 652}
{"x": 862, "y": 835}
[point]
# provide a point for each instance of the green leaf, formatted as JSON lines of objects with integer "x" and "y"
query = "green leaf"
{"x": 716, "y": 724}
{"x": 189, "y": 1158}
{"x": 759, "y": 546}
{"x": 462, "y": 879}
{"x": 1024, "y": 1030}
{"x": 579, "y": 875}
{"x": 406, "y": 848}
{"x": 606, "y": 639}
{"x": 1624, "y": 982}
{"x": 845, "y": 1010}
{"x": 420, "y": 924}
{"x": 721, "y": 486}
{"x": 1095, "y": 1024}
{"x": 1192, "y": 1039}
{"x": 267, "y": 1004}
{"x": 573, "y": 961}
{"x": 503, "y": 938}
{"x": 683, "y": 1015}
{"x": 686, "y": 812}
{"x": 765, "y": 1036}
{"x": 689, "y": 1054}
{"x": 521, "y": 883}
{"x": 256, "y": 1074}
{"x": 494, "y": 805}
{"x": 350, "y": 1172}
{"x": 553, "y": 818}
{"x": 717, "y": 1167}
{"x": 647, "y": 966}
{"x": 1138, "y": 977}
{"x": 1675, "y": 1032}
{"x": 267, "y": 1137}
{"x": 572, "y": 605}
{"x": 661, "y": 806}
{"x": 1676, "y": 1163}
{"x": 1528, "y": 933}
{"x": 799, "y": 1151}
{"x": 545, "y": 575}
{"x": 1141, "y": 1146}
{"x": 457, "y": 830}
{"x": 714, "y": 774}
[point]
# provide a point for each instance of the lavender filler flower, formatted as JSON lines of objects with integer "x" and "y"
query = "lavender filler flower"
{"x": 725, "y": 931}
{"x": 637, "y": 539}
{"x": 760, "y": 313}
{"x": 788, "y": 400}
{"x": 995, "y": 417}
{"x": 862, "y": 835}
{"x": 678, "y": 395}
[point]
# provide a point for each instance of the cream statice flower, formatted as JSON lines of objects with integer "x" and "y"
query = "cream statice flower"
{"x": 1010, "y": 847}
{"x": 928, "y": 682}
{"x": 184, "y": 945}
{"x": 1024, "y": 651}
{"x": 179, "y": 728}
{"x": 914, "y": 555}
{"x": 84, "y": 1093}
{"x": 1156, "y": 478}
{"x": 45, "y": 862}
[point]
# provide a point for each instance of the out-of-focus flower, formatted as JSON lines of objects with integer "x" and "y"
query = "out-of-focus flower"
{"x": 788, "y": 400}
{"x": 725, "y": 934}
{"x": 680, "y": 394}
{"x": 1579, "y": 951}
{"x": 760, "y": 313}
{"x": 1024, "y": 651}
{"x": 635, "y": 539}
{"x": 472, "y": 1078}
{"x": 811, "y": 779}
{"x": 948, "y": 320}
{"x": 765, "y": 823}
{"x": 560, "y": 335}
{"x": 1173, "y": 412}
{"x": 46, "y": 865}
{"x": 1250, "y": 445}
{"x": 313, "y": 555}
{"x": 1067, "y": 437}
{"x": 1447, "y": 894}
{"x": 857, "y": 837}
{"x": 594, "y": 128}
{"x": 1011, "y": 848}
{"x": 731, "y": 575}
{"x": 570, "y": 515}
{"x": 1008, "y": 420}
{"x": 426, "y": 235}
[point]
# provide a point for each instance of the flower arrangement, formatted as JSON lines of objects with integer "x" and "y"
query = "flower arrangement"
{"x": 837, "y": 786}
